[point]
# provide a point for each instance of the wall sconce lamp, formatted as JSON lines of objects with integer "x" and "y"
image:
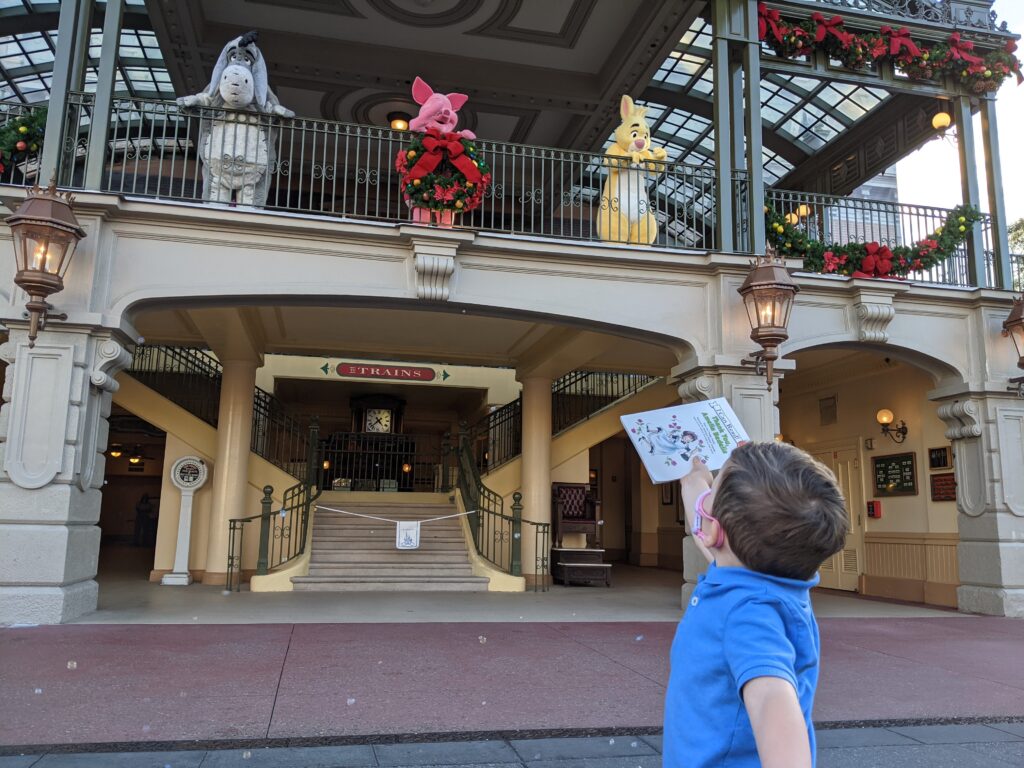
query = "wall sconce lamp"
{"x": 326, "y": 464}
{"x": 941, "y": 120}
{"x": 768, "y": 294}
{"x": 1013, "y": 326}
{"x": 407, "y": 468}
{"x": 45, "y": 233}
{"x": 399, "y": 121}
{"x": 886, "y": 418}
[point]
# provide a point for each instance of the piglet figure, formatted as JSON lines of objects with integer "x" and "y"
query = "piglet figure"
{"x": 437, "y": 110}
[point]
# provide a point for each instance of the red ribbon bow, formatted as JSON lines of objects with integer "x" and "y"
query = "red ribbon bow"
{"x": 900, "y": 39}
{"x": 437, "y": 145}
{"x": 768, "y": 18}
{"x": 830, "y": 26}
{"x": 961, "y": 50}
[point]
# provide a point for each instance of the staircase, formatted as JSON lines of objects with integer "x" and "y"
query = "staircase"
{"x": 354, "y": 554}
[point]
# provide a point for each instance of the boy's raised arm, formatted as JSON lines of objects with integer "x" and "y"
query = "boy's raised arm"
{"x": 777, "y": 722}
{"x": 690, "y": 487}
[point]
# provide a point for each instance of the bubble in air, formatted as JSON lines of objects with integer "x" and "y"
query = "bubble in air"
{"x": 633, "y": 744}
{"x": 72, "y": 665}
{"x": 483, "y": 703}
{"x": 611, "y": 741}
{"x": 350, "y": 701}
{"x": 482, "y": 639}
{"x": 145, "y": 729}
{"x": 639, "y": 638}
{"x": 195, "y": 618}
{"x": 246, "y": 755}
{"x": 39, "y": 690}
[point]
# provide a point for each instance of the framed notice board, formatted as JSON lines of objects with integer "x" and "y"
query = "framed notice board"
{"x": 943, "y": 487}
{"x": 895, "y": 475}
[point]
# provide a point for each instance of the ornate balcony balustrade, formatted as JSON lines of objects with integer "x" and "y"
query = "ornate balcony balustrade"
{"x": 321, "y": 167}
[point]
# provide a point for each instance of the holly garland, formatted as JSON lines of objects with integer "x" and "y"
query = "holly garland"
{"x": 792, "y": 39}
{"x": 21, "y": 137}
{"x": 443, "y": 172}
{"x": 871, "y": 259}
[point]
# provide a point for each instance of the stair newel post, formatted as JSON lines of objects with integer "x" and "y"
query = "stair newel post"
{"x": 314, "y": 467}
{"x": 517, "y": 534}
{"x": 268, "y": 503}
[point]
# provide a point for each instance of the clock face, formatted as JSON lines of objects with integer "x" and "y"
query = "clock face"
{"x": 378, "y": 420}
{"x": 189, "y": 473}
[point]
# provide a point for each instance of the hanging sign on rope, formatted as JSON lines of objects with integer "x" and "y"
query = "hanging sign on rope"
{"x": 407, "y": 534}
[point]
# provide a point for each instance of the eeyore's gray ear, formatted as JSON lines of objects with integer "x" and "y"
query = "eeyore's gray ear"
{"x": 220, "y": 66}
{"x": 259, "y": 79}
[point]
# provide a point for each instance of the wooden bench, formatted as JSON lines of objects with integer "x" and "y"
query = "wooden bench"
{"x": 580, "y": 566}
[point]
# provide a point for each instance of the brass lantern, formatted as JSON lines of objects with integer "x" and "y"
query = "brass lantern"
{"x": 768, "y": 295}
{"x": 1013, "y": 326}
{"x": 45, "y": 233}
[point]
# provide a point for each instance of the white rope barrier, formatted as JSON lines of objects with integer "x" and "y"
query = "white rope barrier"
{"x": 389, "y": 520}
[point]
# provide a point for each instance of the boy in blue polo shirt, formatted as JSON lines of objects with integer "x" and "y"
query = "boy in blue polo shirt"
{"x": 745, "y": 656}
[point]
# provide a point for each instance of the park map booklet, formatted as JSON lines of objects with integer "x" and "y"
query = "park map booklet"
{"x": 668, "y": 439}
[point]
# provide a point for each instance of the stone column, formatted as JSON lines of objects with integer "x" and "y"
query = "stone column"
{"x": 987, "y": 433}
{"x": 53, "y": 431}
{"x": 231, "y": 474}
{"x": 536, "y": 463}
{"x": 755, "y": 406}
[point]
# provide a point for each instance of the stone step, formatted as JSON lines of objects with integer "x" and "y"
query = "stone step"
{"x": 405, "y": 571}
{"x": 326, "y": 556}
{"x": 384, "y": 584}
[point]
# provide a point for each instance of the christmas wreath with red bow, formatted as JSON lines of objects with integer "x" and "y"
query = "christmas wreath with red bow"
{"x": 443, "y": 172}
{"x": 977, "y": 72}
{"x": 21, "y": 137}
{"x": 856, "y": 259}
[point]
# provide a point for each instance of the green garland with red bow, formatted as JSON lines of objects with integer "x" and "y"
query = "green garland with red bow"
{"x": 443, "y": 172}
{"x": 21, "y": 137}
{"x": 976, "y": 72}
{"x": 870, "y": 259}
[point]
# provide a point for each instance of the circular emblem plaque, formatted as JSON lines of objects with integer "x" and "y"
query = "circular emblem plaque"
{"x": 189, "y": 473}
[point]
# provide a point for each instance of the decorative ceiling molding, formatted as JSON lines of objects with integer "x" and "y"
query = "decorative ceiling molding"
{"x": 333, "y": 7}
{"x": 500, "y": 25}
{"x": 462, "y": 10}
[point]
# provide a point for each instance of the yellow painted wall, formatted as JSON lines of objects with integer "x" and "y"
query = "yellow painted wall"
{"x": 903, "y": 390}
{"x": 910, "y": 553}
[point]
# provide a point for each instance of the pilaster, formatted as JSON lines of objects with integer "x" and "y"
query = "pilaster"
{"x": 53, "y": 431}
{"x": 987, "y": 433}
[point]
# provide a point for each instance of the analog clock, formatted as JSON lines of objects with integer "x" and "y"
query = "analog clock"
{"x": 378, "y": 420}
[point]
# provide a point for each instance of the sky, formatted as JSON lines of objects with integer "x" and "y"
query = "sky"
{"x": 931, "y": 176}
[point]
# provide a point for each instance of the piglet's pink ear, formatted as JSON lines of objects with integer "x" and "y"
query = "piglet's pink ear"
{"x": 421, "y": 91}
{"x": 457, "y": 100}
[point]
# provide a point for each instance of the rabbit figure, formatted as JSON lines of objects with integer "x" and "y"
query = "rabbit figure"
{"x": 437, "y": 110}
{"x": 626, "y": 215}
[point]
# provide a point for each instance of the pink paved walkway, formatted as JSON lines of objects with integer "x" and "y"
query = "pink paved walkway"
{"x": 105, "y": 683}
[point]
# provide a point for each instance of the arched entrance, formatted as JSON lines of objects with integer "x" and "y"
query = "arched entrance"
{"x": 900, "y": 488}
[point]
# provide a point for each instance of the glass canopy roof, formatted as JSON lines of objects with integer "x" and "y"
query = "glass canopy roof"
{"x": 805, "y": 113}
{"x": 26, "y": 58}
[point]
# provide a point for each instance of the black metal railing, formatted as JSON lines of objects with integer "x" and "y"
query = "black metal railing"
{"x": 579, "y": 395}
{"x": 831, "y": 219}
{"x": 304, "y": 165}
{"x": 498, "y": 437}
{"x": 284, "y": 532}
{"x": 190, "y": 378}
{"x": 496, "y": 535}
{"x": 366, "y": 461}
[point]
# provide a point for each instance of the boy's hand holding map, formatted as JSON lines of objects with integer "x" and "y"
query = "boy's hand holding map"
{"x": 670, "y": 438}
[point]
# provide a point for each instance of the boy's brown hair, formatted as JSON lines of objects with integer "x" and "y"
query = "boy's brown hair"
{"x": 782, "y": 511}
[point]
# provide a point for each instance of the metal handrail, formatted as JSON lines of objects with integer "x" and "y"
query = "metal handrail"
{"x": 342, "y": 169}
{"x": 832, "y": 219}
{"x": 497, "y": 536}
{"x": 575, "y": 397}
